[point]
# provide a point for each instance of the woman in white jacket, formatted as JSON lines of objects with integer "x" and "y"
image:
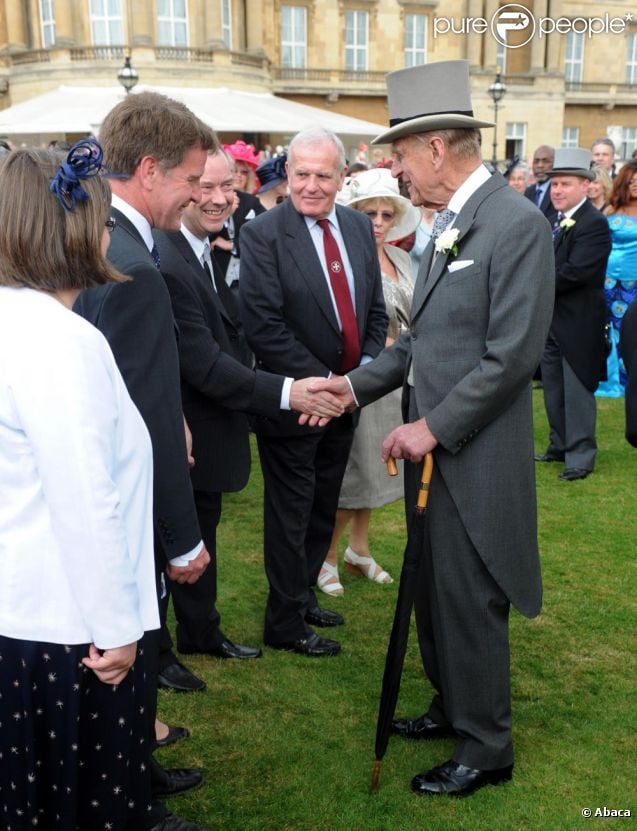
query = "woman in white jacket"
{"x": 77, "y": 590}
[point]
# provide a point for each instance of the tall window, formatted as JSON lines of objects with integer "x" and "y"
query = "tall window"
{"x": 294, "y": 37}
{"x": 107, "y": 27}
{"x": 356, "y": 37}
{"x": 628, "y": 143}
{"x": 570, "y": 137}
{"x": 515, "y": 139}
{"x": 172, "y": 20}
{"x": 574, "y": 57}
{"x": 631, "y": 60}
{"x": 415, "y": 39}
{"x": 47, "y": 23}
{"x": 226, "y": 22}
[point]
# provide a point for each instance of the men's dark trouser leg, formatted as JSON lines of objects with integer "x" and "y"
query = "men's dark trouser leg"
{"x": 580, "y": 415}
{"x": 195, "y": 603}
{"x": 462, "y": 619}
{"x": 288, "y": 479}
{"x": 553, "y": 390}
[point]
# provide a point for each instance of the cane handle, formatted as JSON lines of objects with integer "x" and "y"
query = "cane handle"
{"x": 392, "y": 467}
{"x": 423, "y": 490}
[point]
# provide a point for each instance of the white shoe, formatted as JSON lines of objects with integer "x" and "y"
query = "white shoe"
{"x": 328, "y": 580}
{"x": 365, "y": 565}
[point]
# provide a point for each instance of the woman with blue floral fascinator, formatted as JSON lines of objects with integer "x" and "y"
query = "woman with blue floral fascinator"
{"x": 75, "y": 511}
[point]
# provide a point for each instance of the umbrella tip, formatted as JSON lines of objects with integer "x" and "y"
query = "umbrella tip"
{"x": 374, "y": 786}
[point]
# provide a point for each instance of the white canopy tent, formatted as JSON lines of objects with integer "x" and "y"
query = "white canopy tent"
{"x": 78, "y": 109}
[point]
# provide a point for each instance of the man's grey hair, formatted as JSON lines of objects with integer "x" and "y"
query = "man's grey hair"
{"x": 462, "y": 142}
{"x": 604, "y": 140}
{"x": 318, "y": 135}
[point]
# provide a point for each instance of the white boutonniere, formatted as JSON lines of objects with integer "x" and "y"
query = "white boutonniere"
{"x": 447, "y": 241}
{"x": 567, "y": 223}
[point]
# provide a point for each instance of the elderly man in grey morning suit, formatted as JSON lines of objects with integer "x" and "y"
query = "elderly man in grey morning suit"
{"x": 481, "y": 311}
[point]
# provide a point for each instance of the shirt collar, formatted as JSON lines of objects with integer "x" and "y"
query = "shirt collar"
{"x": 311, "y": 221}
{"x": 140, "y": 222}
{"x": 199, "y": 246}
{"x": 466, "y": 190}
{"x": 568, "y": 214}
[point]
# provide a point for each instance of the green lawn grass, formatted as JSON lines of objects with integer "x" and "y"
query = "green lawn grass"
{"x": 287, "y": 743}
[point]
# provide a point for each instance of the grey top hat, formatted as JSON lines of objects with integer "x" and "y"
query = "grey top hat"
{"x": 433, "y": 96}
{"x": 572, "y": 161}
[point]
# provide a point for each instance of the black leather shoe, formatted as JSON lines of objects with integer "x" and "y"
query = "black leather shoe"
{"x": 549, "y": 456}
{"x": 421, "y": 728}
{"x": 323, "y": 617}
{"x": 179, "y": 678}
{"x": 172, "y": 823}
{"x": 228, "y": 649}
{"x": 171, "y": 781}
{"x": 313, "y": 646}
{"x": 454, "y": 779}
{"x": 175, "y": 734}
{"x": 225, "y": 649}
{"x": 570, "y": 474}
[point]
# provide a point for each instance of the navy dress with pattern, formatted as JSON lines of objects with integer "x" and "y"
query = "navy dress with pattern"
{"x": 64, "y": 733}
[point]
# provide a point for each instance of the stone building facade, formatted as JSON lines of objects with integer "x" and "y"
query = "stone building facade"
{"x": 569, "y": 66}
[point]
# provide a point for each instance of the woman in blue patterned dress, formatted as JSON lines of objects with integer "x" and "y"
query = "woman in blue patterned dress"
{"x": 621, "y": 273}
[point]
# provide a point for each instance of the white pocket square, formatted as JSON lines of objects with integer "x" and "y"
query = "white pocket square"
{"x": 456, "y": 265}
{"x": 250, "y": 215}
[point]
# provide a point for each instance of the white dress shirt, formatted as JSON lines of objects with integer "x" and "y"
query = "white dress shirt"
{"x": 76, "y": 534}
{"x": 316, "y": 232}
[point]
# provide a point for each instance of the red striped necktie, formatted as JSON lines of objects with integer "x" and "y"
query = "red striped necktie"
{"x": 343, "y": 298}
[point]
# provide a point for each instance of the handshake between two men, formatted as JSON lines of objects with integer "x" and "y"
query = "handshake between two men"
{"x": 318, "y": 400}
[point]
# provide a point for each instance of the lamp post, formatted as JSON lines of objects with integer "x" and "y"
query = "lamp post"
{"x": 496, "y": 91}
{"x": 127, "y": 76}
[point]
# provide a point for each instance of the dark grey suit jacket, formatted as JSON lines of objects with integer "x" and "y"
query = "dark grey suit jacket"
{"x": 137, "y": 320}
{"x": 217, "y": 387}
{"x": 285, "y": 302}
{"x": 477, "y": 337}
{"x": 546, "y": 206}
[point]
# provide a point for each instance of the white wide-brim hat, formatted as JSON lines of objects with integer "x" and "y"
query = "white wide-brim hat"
{"x": 378, "y": 183}
{"x": 433, "y": 96}
{"x": 572, "y": 161}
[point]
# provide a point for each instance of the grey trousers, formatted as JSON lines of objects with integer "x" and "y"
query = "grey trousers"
{"x": 570, "y": 408}
{"x": 462, "y": 617}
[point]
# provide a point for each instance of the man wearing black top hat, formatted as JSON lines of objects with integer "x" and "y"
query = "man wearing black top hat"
{"x": 480, "y": 314}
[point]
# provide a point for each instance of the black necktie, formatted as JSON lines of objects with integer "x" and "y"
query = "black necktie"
{"x": 154, "y": 253}
{"x": 219, "y": 284}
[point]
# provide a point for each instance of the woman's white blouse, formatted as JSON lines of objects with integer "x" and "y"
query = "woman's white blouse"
{"x": 76, "y": 536}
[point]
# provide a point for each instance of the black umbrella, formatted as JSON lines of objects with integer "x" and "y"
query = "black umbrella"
{"x": 400, "y": 628}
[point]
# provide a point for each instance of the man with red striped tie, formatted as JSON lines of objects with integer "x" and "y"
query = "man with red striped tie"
{"x": 312, "y": 304}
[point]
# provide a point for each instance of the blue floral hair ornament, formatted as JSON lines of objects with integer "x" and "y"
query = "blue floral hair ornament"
{"x": 84, "y": 161}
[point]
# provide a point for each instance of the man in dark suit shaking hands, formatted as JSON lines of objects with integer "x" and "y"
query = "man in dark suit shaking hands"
{"x": 155, "y": 150}
{"x": 575, "y": 349}
{"x": 312, "y": 304}
{"x": 218, "y": 387}
{"x": 480, "y": 314}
